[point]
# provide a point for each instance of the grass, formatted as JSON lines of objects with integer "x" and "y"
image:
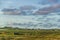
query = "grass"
{"x": 27, "y": 34}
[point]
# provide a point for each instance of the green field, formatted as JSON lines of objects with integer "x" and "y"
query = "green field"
{"x": 29, "y": 34}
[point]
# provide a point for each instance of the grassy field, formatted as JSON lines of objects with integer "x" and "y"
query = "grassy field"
{"x": 27, "y": 34}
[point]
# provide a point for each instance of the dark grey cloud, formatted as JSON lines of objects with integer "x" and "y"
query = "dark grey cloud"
{"x": 27, "y": 7}
{"x": 27, "y": 10}
{"x": 11, "y": 11}
{"x": 47, "y": 10}
{"x": 23, "y": 10}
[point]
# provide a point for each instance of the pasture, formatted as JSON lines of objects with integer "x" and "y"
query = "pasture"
{"x": 30, "y": 34}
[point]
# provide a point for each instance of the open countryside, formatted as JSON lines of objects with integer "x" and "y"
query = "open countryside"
{"x": 29, "y": 34}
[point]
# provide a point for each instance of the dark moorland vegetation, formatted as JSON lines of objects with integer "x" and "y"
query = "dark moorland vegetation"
{"x": 9, "y": 33}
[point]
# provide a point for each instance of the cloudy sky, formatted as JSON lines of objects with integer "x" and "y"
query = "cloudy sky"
{"x": 17, "y": 3}
{"x": 36, "y": 3}
{"x": 47, "y": 6}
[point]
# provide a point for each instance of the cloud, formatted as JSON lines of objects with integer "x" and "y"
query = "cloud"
{"x": 23, "y": 10}
{"x": 48, "y": 10}
{"x": 1, "y": 12}
{"x": 27, "y": 7}
{"x": 53, "y": 1}
{"x": 9, "y": 11}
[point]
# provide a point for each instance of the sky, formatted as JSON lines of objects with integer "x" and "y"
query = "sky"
{"x": 18, "y": 3}
{"x": 45, "y": 6}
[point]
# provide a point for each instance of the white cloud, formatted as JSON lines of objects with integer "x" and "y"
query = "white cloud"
{"x": 1, "y": 12}
{"x": 34, "y": 19}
